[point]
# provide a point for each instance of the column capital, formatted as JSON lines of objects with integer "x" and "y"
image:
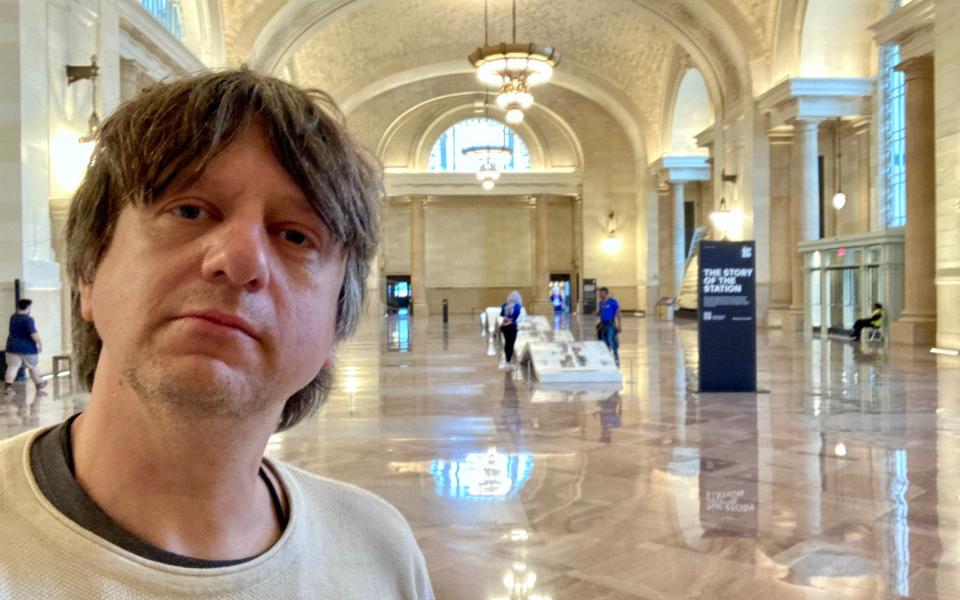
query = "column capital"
{"x": 806, "y": 125}
{"x": 780, "y": 135}
{"x": 918, "y": 67}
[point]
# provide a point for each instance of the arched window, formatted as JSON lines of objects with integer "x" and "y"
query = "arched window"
{"x": 893, "y": 130}
{"x": 447, "y": 153}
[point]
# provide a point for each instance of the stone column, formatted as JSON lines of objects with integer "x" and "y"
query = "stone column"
{"x": 418, "y": 256}
{"x": 129, "y": 79}
{"x": 59, "y": 209}
{"x": 918, "y": 321}
{"x": 678, "y": 225}
{"x": 540, "y": 303}
{"x": 804, "y": 216}
{"x": 862, "y": 134}
{"x": 665, "y": 253}
{"x": 781, "y": 149}
{"x": 577, "y": 283}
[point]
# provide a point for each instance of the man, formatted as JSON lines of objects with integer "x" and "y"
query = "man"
{"x": 23, "y": 348}
{"x": 875, "y": 320}
{"x": 219, "y": 246}
{"x": 609, "y": 327}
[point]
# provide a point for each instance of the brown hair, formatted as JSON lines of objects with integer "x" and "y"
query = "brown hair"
{"x": 175, "y": 129}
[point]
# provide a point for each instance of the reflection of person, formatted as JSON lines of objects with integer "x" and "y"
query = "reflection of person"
{"x": 510, "y": 408}
{"x": 609, "y": 326}
{"x": 219, "y": 245}
{"x": 874, "y": 320}
{"x": 556, "y": 299}
{"x": 510, "y": 311}
{"x": 23, "y": 348}
{"x": 610, "y": 414}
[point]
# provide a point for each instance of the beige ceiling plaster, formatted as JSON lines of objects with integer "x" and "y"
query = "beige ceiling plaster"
{"x": 622, "y": 55}
{"x": 375, "y": 42}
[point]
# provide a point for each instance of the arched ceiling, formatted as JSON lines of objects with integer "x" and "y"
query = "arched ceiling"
{"x": 621, "y": 48}
{"x": 375, "y": 41}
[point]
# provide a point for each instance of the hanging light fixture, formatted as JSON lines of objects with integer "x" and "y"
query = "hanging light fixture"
{"x": 488, "y": 173}
{"x": 78, "y": 73}
{"x": 513, "y": 68}
{"x": 840, "y": 199}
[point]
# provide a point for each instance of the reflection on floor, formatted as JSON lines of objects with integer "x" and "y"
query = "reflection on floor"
{"x": 842, "y": 482}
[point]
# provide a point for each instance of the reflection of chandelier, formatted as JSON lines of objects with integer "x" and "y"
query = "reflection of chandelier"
{"x": 513, "y": 69}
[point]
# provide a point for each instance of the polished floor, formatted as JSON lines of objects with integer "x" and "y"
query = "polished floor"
{"x": 842, "y": 481}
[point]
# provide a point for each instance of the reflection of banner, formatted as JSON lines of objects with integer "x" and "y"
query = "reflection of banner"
{"x": 727, "y": 317}
{"x": 487, "y": 475}
{"x": 729, "y": 492}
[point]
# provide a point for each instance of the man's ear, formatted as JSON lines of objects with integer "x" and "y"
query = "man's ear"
{"x": 86, "y": 300}
{"x": 328, "y": 363}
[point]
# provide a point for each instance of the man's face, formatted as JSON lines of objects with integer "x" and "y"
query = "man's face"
{"x": 219, "y": 297}
{"x": 603, "y": 294}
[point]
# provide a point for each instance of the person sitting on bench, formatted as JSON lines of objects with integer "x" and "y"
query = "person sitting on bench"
{"x": 875, "y": 320}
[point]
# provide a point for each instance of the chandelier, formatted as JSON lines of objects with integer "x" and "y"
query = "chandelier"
{"x": 513, "y": 68}
{"x": 488, "y": 174}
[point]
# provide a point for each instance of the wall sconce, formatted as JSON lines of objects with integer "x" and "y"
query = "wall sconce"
{"x": 612, "y": 244}
{"x": 722, "y": 219}
{"x": 78, "y": 73}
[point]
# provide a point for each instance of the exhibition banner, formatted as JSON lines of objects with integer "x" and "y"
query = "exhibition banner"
{"x": 727, "y": 317}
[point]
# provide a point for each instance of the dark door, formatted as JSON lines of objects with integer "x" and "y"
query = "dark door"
{"x": 399, "y": 293}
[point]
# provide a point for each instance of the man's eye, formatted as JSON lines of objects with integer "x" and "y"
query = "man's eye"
{"x": 188, "y": 211}
{"x": 295, "y": 237}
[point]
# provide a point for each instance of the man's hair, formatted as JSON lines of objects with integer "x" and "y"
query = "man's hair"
{"x": 24, "y": 304}
{"x": 603, "y": 289}
{"x": 878, "y": 305}
{"x": 174, "y": 130}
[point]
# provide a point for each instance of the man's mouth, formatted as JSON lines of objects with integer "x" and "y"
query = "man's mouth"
{"x": 223, "y": 319}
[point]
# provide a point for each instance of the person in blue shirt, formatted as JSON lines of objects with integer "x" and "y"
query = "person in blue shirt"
{"x": 510, "y": 311}
{"x": 609, "y": 327}
{"x": 23, "y": 347}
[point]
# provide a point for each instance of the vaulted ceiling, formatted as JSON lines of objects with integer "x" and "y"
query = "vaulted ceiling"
{"x": 614, "y": 44}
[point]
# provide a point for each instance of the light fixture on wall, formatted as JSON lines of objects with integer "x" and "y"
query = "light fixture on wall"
{"x": 612, "y": 243}
{"x": 839, "y": 199}
{"x": 78, "y": 73}
{"x": 722, "y": 219}
{"x": 513, "y": 68}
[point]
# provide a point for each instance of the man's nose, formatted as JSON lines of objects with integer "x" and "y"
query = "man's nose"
{"x": 239, "y": 254}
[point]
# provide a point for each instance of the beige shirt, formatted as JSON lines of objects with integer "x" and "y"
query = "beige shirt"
{"x": 341, "y": 543}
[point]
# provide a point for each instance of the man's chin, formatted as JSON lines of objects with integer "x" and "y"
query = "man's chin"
{"x": 197, "y": 386}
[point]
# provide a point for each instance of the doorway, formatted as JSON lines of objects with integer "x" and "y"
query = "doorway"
{"x": 399, "y": 294}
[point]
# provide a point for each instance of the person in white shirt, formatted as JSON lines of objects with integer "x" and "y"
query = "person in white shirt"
{"x": 219, "y": 246}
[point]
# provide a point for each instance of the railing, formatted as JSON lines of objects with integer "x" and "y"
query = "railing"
{"x": 167, "y": 13}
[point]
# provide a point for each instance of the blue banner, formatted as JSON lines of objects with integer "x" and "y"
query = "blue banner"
{"x": 727, "y": 317}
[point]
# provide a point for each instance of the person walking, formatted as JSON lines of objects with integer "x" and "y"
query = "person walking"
{"x": 875, "y": 320}
{"x": 510, "y": 312}
{"x": 23, "y": 348}
{"x": 609, "y": 326}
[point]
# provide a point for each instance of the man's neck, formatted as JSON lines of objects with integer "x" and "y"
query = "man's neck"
{"x": 188, "y": 486}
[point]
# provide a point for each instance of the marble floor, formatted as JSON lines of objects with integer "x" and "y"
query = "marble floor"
{"x": 842, "y": 481}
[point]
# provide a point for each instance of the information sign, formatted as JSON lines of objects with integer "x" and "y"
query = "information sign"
{"x": 727, "y": 317}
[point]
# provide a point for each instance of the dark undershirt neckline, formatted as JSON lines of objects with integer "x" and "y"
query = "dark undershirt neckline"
{"x": 51, "y": 460}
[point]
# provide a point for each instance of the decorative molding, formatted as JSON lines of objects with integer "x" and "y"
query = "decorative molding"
{"x": 816, "y": 99}
{"x": 465, "y": 184}
{"x": 145, "y": 31}
{"x": 682, "y": 169}
{"x": 910, "y": 26}
{"x": 707, "y": 137}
